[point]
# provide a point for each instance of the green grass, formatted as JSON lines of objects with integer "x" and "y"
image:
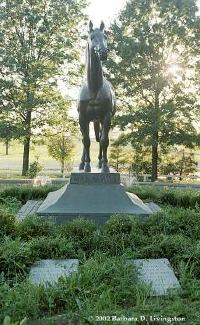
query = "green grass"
{"x": 105, "y": 283}
{"x": 10, "y": 165}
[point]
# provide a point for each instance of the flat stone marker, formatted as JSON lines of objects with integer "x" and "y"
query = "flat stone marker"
{"x": 158, "y": 273}
{"x": 153, "y": 206}
{"x": 49, "y": 271}
{"x": 30, "y": 207}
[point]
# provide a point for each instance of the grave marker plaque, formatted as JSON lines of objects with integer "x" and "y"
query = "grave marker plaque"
{"x": 49, "y": 270}
{"x": 158, "y": 273}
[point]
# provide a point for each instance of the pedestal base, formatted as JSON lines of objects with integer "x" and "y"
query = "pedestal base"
{"x": 93, "y": 195}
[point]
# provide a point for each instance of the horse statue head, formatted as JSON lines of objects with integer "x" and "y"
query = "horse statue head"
{"x": 97, "y": 41}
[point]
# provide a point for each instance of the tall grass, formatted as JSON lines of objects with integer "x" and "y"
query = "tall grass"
{"x": 105, "y": 284}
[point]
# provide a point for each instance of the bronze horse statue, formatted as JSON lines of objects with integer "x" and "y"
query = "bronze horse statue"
{"x": 97, "y": 100}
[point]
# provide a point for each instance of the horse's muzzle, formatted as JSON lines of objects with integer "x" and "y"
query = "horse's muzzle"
{"x": 103, "y": 54}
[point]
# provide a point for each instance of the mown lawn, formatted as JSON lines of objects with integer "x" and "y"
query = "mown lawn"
{"x": 105, "y": 284}
{"x": 11, "y": 164}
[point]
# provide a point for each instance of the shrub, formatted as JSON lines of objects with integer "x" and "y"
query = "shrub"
{"x": 34, "y": 169}
{"x": 194, "y": 259}
{"x": 27, "y": 192}
{"x": 174, "y": 197}
{"x": 15, "y": 258}
{"x": 170, "y": 221}
{"x": 7, "y": 223}
{"x": 173, "y": 247}
{"x": 145, "y": 192}
{"x": 81, "y": 231}
{"x": 53, "y": 247}
{"x": 78, "y": 228}
{"x": 33, "y": 226}
{"x": 119, "y": 224}
{"x": 10, "y": 204}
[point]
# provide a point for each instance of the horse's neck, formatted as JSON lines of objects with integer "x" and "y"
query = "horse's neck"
{"x": 94, "y": 73}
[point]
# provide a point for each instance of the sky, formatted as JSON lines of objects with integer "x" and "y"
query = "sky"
{"x": 105, "y": 10}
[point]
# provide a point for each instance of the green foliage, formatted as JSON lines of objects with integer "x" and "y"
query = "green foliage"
{"x": 60, "y": 132}
{"x": 179, "y": 162}
{"x": 60, "y": 147}
{"x": 127, "y": 159}
{"x": 120, "y": 158}
{"x": 180, "y": 198}
{"x": 15, "y": 259}
{"x": 105, "y": 280}
{"x": 173, "y": 221}
{"x": 52, "y": 247}
{"x": 7, "y": 223}
{"x": 34, "y": 169}
{"x": 150, "y": 68}
{"x": 104, "y": 283}
{"x": 8, "y": 208}
{"x": 82, "y": 232}
{"x": 27, "y": 192}
{"x": 34, "y": 226}
{"x": 119, "y": 224}
{"x": 36, "y": 40}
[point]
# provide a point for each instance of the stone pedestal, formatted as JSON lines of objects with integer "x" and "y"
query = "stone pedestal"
{"x": 93, "y": 195}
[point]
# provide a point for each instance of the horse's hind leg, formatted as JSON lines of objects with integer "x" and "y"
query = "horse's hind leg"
{"x": 104, "y": 141}
{"x": 100, "y": 152}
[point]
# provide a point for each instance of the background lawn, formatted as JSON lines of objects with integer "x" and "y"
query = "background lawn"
{"x": 11, "y": 165}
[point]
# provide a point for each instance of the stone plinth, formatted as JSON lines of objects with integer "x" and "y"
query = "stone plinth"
{"x": 93, "y": 195}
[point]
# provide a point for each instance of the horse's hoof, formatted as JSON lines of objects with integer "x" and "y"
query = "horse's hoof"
{"x": 105, "y": 168}
{"x": 87, "y": 168}
{"x": 81, "y": 166}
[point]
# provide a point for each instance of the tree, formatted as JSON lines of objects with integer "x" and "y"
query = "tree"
{"x": 151, "y": 69}
{"x": 127, "y": 159}
{"x": 180, "y": 162}
{"x": 37, "y": 38}
{"x": 60, "y": 147}
{"x": 8, "y": 132}
{"x": 119, "y": 158}
{"x": 59, "y": 132}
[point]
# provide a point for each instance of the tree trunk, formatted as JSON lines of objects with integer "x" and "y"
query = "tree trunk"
{"x": 155, "y": 127}
{"x": 62, "y": 167}
{"x": 7, "y": 146}
{"x": 27, "y": 139}
{"x": 154, "y": 174}
{"x": 26, "y": 155}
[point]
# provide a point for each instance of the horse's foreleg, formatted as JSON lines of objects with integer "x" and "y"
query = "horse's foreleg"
{"x": 104, "y": 141}
{"x": 86, "y": 143}
{"x": 100, "y": 156}
{"x": 82, "y": 163}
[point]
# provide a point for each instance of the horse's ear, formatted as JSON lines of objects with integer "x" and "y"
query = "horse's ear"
{"x": 102, "y": 26}
{"x": 90, "y": 26}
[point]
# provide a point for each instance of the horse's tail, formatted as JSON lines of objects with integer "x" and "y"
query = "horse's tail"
{"x": 97, "y": 130}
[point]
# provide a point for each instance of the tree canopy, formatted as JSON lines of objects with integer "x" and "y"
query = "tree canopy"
{"x": 152, "y": 68}
{"x": 37, "y": 38}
